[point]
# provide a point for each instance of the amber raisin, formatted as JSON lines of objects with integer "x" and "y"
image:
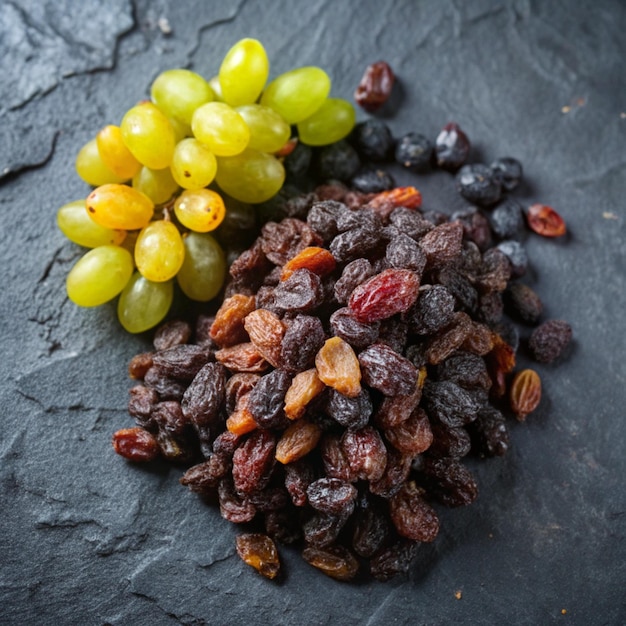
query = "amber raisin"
{"x": 259, "y": 551}
{"x": 135, "y": 444}
{"x": 227, "y": 328}
{"x": 525, "y": 393}
{"x": 338, "y": 367}
{"x": 297, "y": 441}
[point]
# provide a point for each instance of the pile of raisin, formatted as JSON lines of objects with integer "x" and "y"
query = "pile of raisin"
{"x": 358, "y": 356}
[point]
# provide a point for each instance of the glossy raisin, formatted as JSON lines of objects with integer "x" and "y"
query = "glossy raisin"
{"x": 135, "y": 444}
{"x": 375, "y": 86}
{"x": 412, "y": 516}
{"x": 266, "y": 400}
{"x": 259, "y": 551}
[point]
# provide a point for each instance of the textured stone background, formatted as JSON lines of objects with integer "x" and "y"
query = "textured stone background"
{"x": 87, "y": 539}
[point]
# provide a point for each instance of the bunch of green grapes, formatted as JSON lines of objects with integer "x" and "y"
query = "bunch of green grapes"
{"x": 161, "y": 177}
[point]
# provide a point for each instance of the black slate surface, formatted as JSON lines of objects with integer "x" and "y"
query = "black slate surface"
{"x": 85, "y": 538}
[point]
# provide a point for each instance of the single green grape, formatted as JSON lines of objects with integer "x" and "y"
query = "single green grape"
{"x": 74, "y": 222}
{"x": 201, "y": 210}
{"x": 204, "y": 269}
{"x": 193, "y": 164}
{"x": 91, "y": 168}
{"x": 333, "y": 121}
{"x": 149, "y": 135}
{"x": 244, "y": 72}
{"x": 159, "y": 251}
{"x": 99, "y": 275}
{"x": 268, "y": 131}
{"x": 221, "y": 128}
{"x": 217, "y": 88}
{"x": 144, "y": 303}
{"x": 297, "y": 94}
{"x": 119, "y": 207}
{"x": 114, "y": 153}
{"x": 181, "y": 130}
{"x": 251, "y": 176}
{"x": 158, "y": 185}
{"x": 178, "y": 93}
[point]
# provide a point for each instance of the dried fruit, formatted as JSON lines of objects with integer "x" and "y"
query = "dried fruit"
{"x": 304, "y": 387}
{"x": 545, "y": 221}
{"x": 259, "y": 551}
{"x": 317, "y": 260}
{"x": 338, "y": 367}
{"x": 375, "y": 86}
{"x": 525, "y": 393}
{"x": 336, "y": 561}
{"x": 297, "y": 441}
{"x": 135, "y": 444}
{"x": 548, "y": 341}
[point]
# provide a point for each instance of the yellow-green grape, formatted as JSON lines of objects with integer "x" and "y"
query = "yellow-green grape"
{"x": 221, "y": 128}
{"x": 159, "y": 251}
{"x": 251, "y": 176}
{"x": 202, "y": 275}
{"x": 158, "y": 185}
{"x": 91, "y": 168}
{"x": 114, "y": 153}
{"x": 333, "y": 121}
{"x": 120, "y": 207}
{"x": 268, "y": 131}
{"x": 181, "y": 130}
{"x": 178, "y": 93}
{"x": 144, "y": 303}
{"x": 149, "y": 135}
{"x": 244, "y": 72}
{"x": 201, "y": 210}
{"x": 75, "y": 223}
{"x": 297, "y": 94}
{"x": 99, "y": 275}
{"x": 193, "y": 164}
{"x": 217, "y": 88}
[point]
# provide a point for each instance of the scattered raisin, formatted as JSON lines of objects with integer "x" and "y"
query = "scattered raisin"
{"x": 375, "y": 86}
{"x": 259, "y": 551}
{"x": 548, "y": 341}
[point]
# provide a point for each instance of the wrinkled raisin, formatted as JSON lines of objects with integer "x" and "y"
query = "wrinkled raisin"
{"x": 548, "y": 341}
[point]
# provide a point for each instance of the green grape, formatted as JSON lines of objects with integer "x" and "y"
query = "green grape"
{"x": 178, "y": 93}
{"x": 201, "y": 210}
{"x": 144, "y": 303}
{"x": 268, "y": 131}
{"x": 158, "y": 185}
{"x": 193, "y": 164}
{"x": 99, "y": 275}
{"x": 243, "y": 72}
{"x": 149, "y": 135}
{"x": 181, "y": 130}
{"x": 203, "y": 271}
{"x": 75, "y": 223}
{"x": 221, "y": 128}
{"x": 119, "y": 207}
{"x": 333, "y": 121}
{"x": 114, "y": 153}
{"x": 159, "y": 251}
{"x": 297, "y": 94}
{"x": 251, "y": 176}
{"x": 91, "y": 168}
{"x": 217, "y": 88}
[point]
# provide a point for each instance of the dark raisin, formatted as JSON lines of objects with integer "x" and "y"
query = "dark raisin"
{"x": 523, "y": 303}
{"x": 490, "y": 432}
{"x": 409, "y": 222}
{"x": 322, "y": 529}
{"x": 233, "y": 507}
{"x": 465, "y": 369}
{"x": 375, "y": 86}
{"x": 298, "y": 161}
{"x": 442, "y": 244}
{"x": 140, "y": 405}
{"x": 366, "y": 453}
{"x": 322, "y": 218}
{"x": 371, "y": 527}
{"x": 353, "y": 274}
{"x": 449, "y": 442}
{"x": 450, "y": 482}
{"x": 414, "y": 151}
{"x": 548, "y": 341}
{"x": 412, "y": 516}
{"x": 403, "y": 253}
{"x": 298, "y": 476}
{"x": 477, "y": 183}
{"x": 167, "y": 388}
{"x": 517, "y": 256}
{"x": 432, "y": 311}
{"x": 332, "y": 496}
{"x": 301, "y": 342}
{"x": 358, "y": 334}
{"x": 372, "y": 140}
{"x": 354, "y": 244}
{"x": 172, "y": 333}
{"x": 203, "y": 400}
{"x": 283, "y": 525}
{"x": 253, "y": 462}
{"x": 393, "y": 333}
{"x": 451, "y": 147}
{"x": 449, "y": 403}
{"x": 338, "y": 161}
{"x": 386, "y": 370}
{"x": 507, "y": 220}
{"x": 266, "y": 400}
{"x": 369, "y": 180}
{"x": 393, "y": 560}
{"x": 508, "y": 171}
{"x": 299, "y": 293}
{"x": 349, "y": 412}
{"x": 413, "y": 435}
{"x": 396, "y": 472}
{"x": 334, "y": 458}
{"x": 476, "y": 226}
{"x": 182, "y": 362}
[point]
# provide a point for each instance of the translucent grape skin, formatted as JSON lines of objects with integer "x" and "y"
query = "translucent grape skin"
{"x": 193, "y": 164}
{"x": 149, "y": 135}
{"x": 244, "y": 72}
{"x": 221, "y": 128}
{"x": 119, "y": 206}
{"x": 203, "y": 271}
{"x": 333, "y": 121}
{"x": 91, "y": 168}
{"x": 268, "y": 131}
{"x": 144, "y": 303}
{"x": 297, "y": 94}
{"x": 200, "y": 210}
{"x": 179, "y": 92}
{"x": 251, "y": 176}
{"x": 114, "y": 153}
{"x": 99, "y": 275}
{"x": 159, "y": 251}
{"x": 74, "y": 222}
{"x": 158, "y": 185}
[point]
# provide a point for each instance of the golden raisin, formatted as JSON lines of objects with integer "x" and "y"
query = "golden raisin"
{"x": 525, "y": 393}
{"x": 241, "y": 421}
{"x": 266, "y": 333}
{"x": 317, "y": 260}
{"x": 408, "y": 197}
{"x": 259, "y": 551}
{"x": 304, "y": 387}
{"x": 139, "y": 365}
{"x": 297, "y": 441}
{"x": 227, "y": 329}
{"x": 338, "y": 367}
{"x": 244, "y": 357}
